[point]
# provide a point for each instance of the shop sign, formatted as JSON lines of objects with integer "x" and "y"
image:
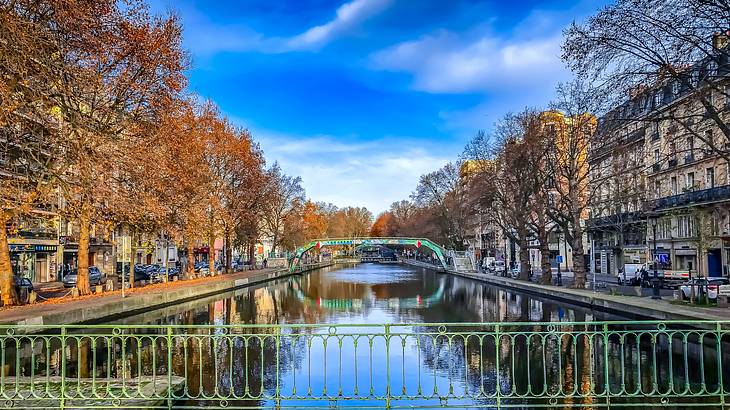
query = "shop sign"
{"x": 724, "y": 290}
{"x": 31, "y": 248}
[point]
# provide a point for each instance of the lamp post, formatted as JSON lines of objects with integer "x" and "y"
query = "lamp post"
{"x": 560, "y": 262}
{"x": 504, "y": 237}
{"x": 655, "y": 294}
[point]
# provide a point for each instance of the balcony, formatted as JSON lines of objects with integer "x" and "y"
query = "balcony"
{"x": 656, "y": 167}
{"x": 692, "y": 197}
{"x": 672, "y": 163}
{"x": 689, "y": 158}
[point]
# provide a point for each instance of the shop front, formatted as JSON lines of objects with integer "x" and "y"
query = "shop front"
{"x": 34, "y": 261}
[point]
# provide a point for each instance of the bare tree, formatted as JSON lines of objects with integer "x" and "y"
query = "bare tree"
{"x": 570, "y": 128}
{"x": 284, "y": 197}
{"x": 658, "y": 52}
{"x": 444, "y": 193}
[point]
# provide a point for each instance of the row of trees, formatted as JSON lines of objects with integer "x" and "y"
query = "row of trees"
{"x": 531, "y": 173}
{"x": 95, "y": 125}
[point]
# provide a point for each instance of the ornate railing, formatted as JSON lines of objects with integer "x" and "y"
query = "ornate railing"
{"x": 475, "y": 365}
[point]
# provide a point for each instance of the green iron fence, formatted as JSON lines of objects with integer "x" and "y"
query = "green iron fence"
{"x": 475, "y": 365}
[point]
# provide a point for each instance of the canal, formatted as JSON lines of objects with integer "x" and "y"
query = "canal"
{"x": 445, "y": 364}
{"x": 370, "y": 335}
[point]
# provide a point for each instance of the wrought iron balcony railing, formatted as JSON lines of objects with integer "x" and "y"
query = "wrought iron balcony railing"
{"x": 475, "y": 365}
{"x": 691, "y": 197}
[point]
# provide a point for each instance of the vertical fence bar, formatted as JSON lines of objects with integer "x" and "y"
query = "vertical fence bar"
{"x": 63, "y": 368}
{"x": 607, "y": 382}
{"x": 169, "y": 367}
{"x": 721, "y": 383}
{"x": 498, "y": 390}
{"x": 387, "y": 366}
{"x": 277, "y": 392}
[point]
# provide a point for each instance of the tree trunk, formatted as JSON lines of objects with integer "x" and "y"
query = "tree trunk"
{"x": 190, "y": 269}
{"x": 228, "y": 252}
{"x": 524, "y": 255}
{"x": 82, "y": 278}
{"x": 132, "y": 255}
{"x": 251, "y": 254}
{"x": 166, "y": 263}
{"x": 7, "y": 285}
{"x": 579, "y": 268}
{"x": 547, "y": 273}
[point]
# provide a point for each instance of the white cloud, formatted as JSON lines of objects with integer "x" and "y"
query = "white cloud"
{"x": 348, "y": 16}
{"x": 371, "y": 173}
{"x": 444, "y": 62}
{"x": 206, "y": 38}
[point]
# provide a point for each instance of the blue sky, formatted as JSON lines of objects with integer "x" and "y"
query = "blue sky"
{"x": 361, "y": 97}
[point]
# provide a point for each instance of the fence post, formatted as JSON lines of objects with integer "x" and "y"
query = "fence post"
{"x": 63, "y": 367}
{"x": 498, "y": 390}
{"x": 169, "y": 367}
{"x": 605, "y": 364}
{"x": 387, "y": 366}
{"x": 721, "y": 383}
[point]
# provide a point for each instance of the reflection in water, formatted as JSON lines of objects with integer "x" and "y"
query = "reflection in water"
{"x": 462, "y": 364}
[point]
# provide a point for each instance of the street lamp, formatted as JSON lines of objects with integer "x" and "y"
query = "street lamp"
{"x": 655, "y": 281}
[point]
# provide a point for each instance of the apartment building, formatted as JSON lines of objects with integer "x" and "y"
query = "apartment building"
{"x": 660, "y": 173}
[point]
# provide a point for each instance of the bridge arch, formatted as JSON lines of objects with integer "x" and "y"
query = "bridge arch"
{"x": 358, "y": 241}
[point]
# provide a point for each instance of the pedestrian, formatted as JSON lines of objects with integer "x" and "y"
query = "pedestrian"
{"x": 265, "y": 262}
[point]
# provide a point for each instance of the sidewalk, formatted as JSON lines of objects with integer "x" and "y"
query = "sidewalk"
{"x": 99, "y": 307}
{"x": 639, "y": 307}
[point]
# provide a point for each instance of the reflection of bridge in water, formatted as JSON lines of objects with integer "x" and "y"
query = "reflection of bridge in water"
{"x": 360, "y": 303}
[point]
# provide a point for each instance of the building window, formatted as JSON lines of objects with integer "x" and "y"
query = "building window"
{"x": 657, "y": 155}
{"x": 690, "y": 181}
{"x": 685, "y": 226}
{"x": 664, "y": 228}
{"x": 673, "y": 185}
{"x": 657, "y": 188}
{"x": 690, "y": 144}
{"x": 710, "y": 178}
{"x": 709, "y": 140}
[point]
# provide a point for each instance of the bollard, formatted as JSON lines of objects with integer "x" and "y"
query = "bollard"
{"x": 74, "y": 292}
{"x": 99, "y": 289}
{"x": 723, "y": 302}
{"x": 109, "y": 285}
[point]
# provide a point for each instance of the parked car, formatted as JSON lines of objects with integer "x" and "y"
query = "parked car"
{"x": 700, "y": 284}
{"x": 139, "y": 272}
{"x": 158, "y": 274}
{"x": 96, "y": 277}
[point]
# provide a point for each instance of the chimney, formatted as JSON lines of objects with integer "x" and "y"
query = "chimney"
{"x": 720, "y": 40}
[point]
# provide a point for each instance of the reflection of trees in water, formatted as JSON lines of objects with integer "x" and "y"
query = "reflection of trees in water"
{"x": 568, "y": 360}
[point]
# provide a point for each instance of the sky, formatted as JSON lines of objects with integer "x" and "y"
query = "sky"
{"x": 361, "y": 97}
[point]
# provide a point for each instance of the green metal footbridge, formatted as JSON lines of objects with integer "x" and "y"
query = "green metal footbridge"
{"x": 438, "y": 250}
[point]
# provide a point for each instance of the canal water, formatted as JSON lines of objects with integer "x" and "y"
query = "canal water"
{"x": 423, "y": 363}
{"x": 371, "y": 335}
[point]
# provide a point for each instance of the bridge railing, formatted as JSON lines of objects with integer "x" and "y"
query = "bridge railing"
{"x": 487, "y": 365}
